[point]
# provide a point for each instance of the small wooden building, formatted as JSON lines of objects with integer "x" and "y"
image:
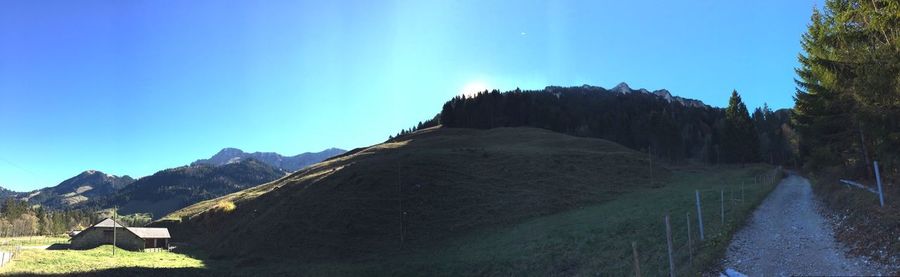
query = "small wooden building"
{"x": 130, "y": 238}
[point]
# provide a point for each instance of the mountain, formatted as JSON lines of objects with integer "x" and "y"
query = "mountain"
{"x": 85, "y": 186}
{"x": 445, "y": 182}
{"x": 175, "y": 188}
{"x": 290, "y": 164}
{"x": 623, "y": 88}
{"x": 4, "y": 193}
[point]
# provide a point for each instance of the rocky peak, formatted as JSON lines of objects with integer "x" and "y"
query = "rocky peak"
{"x": 622, "y": 88}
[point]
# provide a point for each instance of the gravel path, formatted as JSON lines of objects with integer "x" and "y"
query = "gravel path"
{"x": 788, "y": 236}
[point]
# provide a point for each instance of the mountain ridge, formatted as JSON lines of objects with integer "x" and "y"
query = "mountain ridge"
{"x": 86, "y": 185}
{"x": 173, "y": 188}
{"x": 286, "y": 163}
{"x": 624, "y": 88}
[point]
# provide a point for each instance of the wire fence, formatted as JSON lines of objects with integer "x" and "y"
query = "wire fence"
{"x": 11, "y": 246}
{"x": 679, "y": 248}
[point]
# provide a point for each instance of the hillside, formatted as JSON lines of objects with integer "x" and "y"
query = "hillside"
{"x": 88, "y": 185}
{"x": 4, "y": 192}
{"x": 672, "y": 127}
{"x": 175, "y": 188}
{"x": 286, "y": 163}
{"x": 446, "y": 181}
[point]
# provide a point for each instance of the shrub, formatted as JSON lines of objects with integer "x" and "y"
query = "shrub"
{"x": 224, "y": 206}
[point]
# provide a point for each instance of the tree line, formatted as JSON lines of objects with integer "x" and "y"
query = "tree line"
{"x": 641, "y": 121}
{"x": 19, "y": 218}
{"x": 847, "y": 103}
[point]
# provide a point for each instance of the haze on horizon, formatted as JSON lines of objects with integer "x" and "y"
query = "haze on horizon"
{"x": 130, "y": 88}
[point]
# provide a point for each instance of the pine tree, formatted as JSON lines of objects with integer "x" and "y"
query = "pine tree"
{"x": 848, "y": 94}
{"x": 740, "y": 141}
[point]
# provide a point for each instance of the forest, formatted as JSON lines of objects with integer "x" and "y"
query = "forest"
{"x": 641, "y": 121}
{"x": 19, "y": 218}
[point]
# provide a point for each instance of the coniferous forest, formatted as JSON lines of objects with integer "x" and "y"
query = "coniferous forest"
{"x": 669, "y": 129}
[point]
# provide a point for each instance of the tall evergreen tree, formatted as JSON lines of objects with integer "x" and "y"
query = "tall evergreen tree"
{"x": 740, "y": 141}
{"x": 847, "y": 105}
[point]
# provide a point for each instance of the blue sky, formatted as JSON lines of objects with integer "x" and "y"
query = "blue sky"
{"x": 133, "y": 87}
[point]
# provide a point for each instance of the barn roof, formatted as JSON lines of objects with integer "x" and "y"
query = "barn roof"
{"x": 108, "y": 223}
{"x": 150, "y": 233}
{"x": 141, "y": 232}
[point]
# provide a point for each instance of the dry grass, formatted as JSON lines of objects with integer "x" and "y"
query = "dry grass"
{"x": 224, "y": 206}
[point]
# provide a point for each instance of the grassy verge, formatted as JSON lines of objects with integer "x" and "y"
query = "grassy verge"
{"x": 32, "y": 241}
{"x": 40, "y": 261}
{"x": 587, "y": 240}
{"x": 858, "y": 212}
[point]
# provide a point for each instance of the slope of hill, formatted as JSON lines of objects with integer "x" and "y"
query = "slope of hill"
{"x": 175, "y": 188}
{"x": 289, "y": 164}
{"x": 88, "y": 185}
{"x": 414, "y": 191}
{"x": 4, "y": 193}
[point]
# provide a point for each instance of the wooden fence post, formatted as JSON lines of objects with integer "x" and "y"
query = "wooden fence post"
{"x": 699, "y": 214}
{"x": 722, "y": 192}
{"x": 690, "y": 240}
{"x": 637, "y": 262}
{"x": 669, "y": 244}
{"x": 878, "y": 180}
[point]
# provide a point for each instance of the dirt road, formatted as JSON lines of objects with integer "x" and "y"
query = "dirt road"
{"x": 787, "y": 236}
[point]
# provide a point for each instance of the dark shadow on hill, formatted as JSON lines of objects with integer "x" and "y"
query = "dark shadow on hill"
{"x": 58, "y": 246}
{"x": 141, "y": 271}
{"x": 452, "y": 181}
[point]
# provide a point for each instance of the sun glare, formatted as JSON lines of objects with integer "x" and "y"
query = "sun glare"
{"x": 472, "y": 88}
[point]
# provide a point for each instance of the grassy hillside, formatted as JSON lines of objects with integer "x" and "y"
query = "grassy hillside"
{"x": 587, "y": 241}
{"x": 446, "y": 182}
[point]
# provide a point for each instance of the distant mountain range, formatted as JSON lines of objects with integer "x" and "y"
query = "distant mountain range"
{"x": 175, "y": 188}
{"x": 289, "y": 164}
{"x": 87, "y": 185}
{"x": 229, "y": 170}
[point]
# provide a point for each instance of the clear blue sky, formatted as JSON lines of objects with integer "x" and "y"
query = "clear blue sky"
{"x": 133, "y": 87}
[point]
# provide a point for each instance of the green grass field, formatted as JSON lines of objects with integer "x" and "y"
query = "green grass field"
{"x": 32, "y": 240}
{"x": 100, "y": 259}
{"x": 591, "y": 240}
